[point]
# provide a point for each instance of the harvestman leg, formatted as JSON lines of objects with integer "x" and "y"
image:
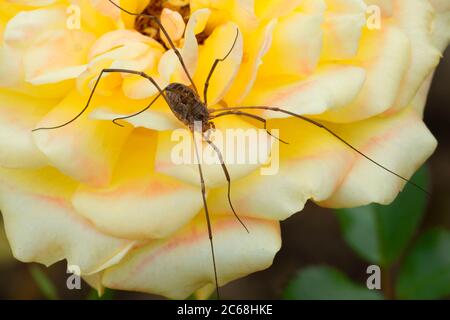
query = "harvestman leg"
{"x": 208, "y": 220}
{"x": 250, "y": 115}
{"x": 214, "y": 66}
{"x": 227, "y": 176}
{"x": 137, "y": 113}
{"x": 142, "y": 74}
{"x": 318, "y": 124}
{"x": 219, "y": 154}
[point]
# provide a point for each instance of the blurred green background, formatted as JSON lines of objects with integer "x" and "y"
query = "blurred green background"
{"x": 325, "y": 254}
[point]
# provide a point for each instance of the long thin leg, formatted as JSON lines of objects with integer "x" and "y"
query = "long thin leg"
{"x": 250, "y": 115}
{"x": 137, "y": 113}
{"x": 208, "y": 220}
{"x": 227, "y": 176}
{"x": 177, "y": 52}
{"x": 318, "y": 124}
{"x": 142, "y": 74}
{"x": 214, "y": 66}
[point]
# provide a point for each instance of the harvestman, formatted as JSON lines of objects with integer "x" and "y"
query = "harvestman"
{"x": 187, "y": 106}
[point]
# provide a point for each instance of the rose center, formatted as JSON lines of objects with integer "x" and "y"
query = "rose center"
{"x": 150, "y": 28}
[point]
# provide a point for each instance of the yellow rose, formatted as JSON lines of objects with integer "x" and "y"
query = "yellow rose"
{"x": 109, "y": 200}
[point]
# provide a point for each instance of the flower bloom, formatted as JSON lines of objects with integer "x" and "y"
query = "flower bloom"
{"x": 109, "y": 200}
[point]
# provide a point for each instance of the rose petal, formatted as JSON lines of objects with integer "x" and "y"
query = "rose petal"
{"x": 311, "y": 166}
{"x": 36, "y": 205}
{"x": 36, "y": 3}
{"x": 275, "y": 8}
{"x": 255, "y": 49}
{"x": 84, "y": 149}
{"x": 385, "y": 57}
{"x": 18, "y": 116}
{"x": 169, "y": 66}
{"x": 441, "y": 25}
{"x": 139, "y": 203}
{"x": 157, "y": 117}
{"x": 414, "y": 18}
{"x": 330, "y": 87}
{"x": 118, "y": 38}
{"x": 344, "y": 21}
{"x": 217, "y": 46}
{"x": 46, "y": 43}
{"x": 296, "y": 45}
{"x": 401, "y": 143}
{"x": 177, "y": 266}
{"x": 154, "y": 120}
{"x": 173, "y": 23}
{"x": 176, "y": 157}
{"x": 316, "y": 165}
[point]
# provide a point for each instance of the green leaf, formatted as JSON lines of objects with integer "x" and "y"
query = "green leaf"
{"x": 108, "y": 294}
{"x": 425, "y": 273}
{"x": 326, "y": 283}
{"x": 44, "y": 284}
{"x": 380, "y": 233}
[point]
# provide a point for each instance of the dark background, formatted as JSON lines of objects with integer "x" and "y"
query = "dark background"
{"x": 311, "y": 237}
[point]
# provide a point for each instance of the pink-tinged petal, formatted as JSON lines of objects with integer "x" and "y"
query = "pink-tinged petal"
{"x": 419, "y": 101}
{"x": 241, "y": 12}
{"x": 400, "y": 142}
{"x": 344, "y": 21}
{"x": 217, "y": 46}
{"x": 157, "y": 117}
{"x": 36, "y": 205}
{"x": 316, "y": 165}
{"x": 123, "y": 49}
{"x": 255, "y": 49}
{"x": 136, "y": 87}
{"x": 59, "y": 51}
{"x": 58, "y": 75}
{"x": 173, "y": 24}
{"x": 12, "y": 77}
{"x": 296, "y": 45}
{"x": 415, "y": 18}
{"x": 154, "y": 120}
{"x": 18, "y": 116}
{"x": 45, "y": 42}
{"x": 244, "y": 149}
{"x": 311, "y": 166}
{"x": 11, "y": 68}
{"x": 139, "y": 203}
{"x": 119, "y": 38}
{"x": 177, "y": 266}
{"x": 386, "y": 6}
{"x": 331, "y": 87}
{"x": 384, "y": 54}
{"x": 85, "y": 150}
{"x": 441, "y": 25}
{"x": 106, "y": 8}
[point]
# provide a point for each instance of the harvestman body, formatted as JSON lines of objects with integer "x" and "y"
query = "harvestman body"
{"x": 187, "y": 106}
